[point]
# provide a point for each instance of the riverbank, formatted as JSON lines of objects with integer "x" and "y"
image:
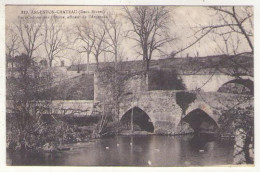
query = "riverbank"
{"x": 50, "y": 132}
{"x": 56, "y": 132}
{"x": 134, "y": 133}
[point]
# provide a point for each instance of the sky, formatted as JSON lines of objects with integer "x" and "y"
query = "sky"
{"x": 182, "y": 19}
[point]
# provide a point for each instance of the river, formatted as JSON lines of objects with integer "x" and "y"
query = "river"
{"x": 151, "y": 150}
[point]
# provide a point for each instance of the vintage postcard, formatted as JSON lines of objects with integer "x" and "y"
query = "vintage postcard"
{"x": 143, "y": 86}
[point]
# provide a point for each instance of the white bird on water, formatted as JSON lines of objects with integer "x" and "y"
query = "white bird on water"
{"x": 187, "y": 163}
{"x": 149, "y": 162}
{"x": 117, "y": 144}
{"x": 107, "y": 147}
{"x": 158, "y": 150}
{"x": 131, "y": 143}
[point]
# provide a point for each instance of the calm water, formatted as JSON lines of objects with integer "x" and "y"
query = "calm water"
{"x": 135, "y": 150}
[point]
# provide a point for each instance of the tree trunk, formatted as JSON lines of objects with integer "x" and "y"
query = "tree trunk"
{"x": 147, "y": 65}
{"x": 248, "y": 148}
{"x": 97, "y": 62}
{"x": 239, "y": 152}
{"x": 78, "y": 70}
{"x": 50, "y": 63}
{"x": 88, "y": 63}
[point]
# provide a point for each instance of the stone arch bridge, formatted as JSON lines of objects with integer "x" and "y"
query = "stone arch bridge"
{"x": 166, "y": 114}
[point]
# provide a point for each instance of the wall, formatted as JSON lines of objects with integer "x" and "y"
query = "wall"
{"x": 75, "y": 107}
{"x": 104, "y": 91}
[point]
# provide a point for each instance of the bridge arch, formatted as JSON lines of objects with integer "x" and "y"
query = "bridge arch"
{"x": 141, "y": 120}
{"x": 201, "y": 122}
{"x": 208, "y": 83}
{"x": 238, "y": 86}
{"x": 198, "y": 104}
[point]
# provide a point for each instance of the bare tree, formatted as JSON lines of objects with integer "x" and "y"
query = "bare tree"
{"x": 76, "y": 60}
{"x": 92, "y": 37}
{"x": 53, "y": 39}
{"x": 99, "y": 44}
{"x": 29, "y": 31}
{"x": 113, "y": 27}
{"x": 115, "y": 81}
{"x": 149, "y": 29}
{"x": 12, "y": 47}
{"x": 21, "y": 89}
{"x": 238, "y": 20}
{"x": 232, "y": 32}
{"x": 85, "y": 34}
{"x": 229, "y": 45}
{"x": 235, "y": 21}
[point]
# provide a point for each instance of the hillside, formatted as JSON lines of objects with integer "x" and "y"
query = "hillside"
{"x": 77, "y": 88}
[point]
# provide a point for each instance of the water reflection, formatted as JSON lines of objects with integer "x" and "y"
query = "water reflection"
{"x": 199, "y": 141}
{"x": 136, "y": 151}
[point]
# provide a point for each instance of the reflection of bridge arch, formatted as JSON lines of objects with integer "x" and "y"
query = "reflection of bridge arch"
{"x": 238, "y": 86}
{"x": 201, "y": 122}
{"x": 141, "y": 120}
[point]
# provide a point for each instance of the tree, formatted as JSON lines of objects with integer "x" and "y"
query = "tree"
{"x": 236, "y": 19}
{"x": 85, "y": 34}
{"x": 29, "y": 31}
{"x": 12, "y": 47}
{"x": 53, "y": 39}
{"x": 99, "y": 45}
{"x": 113, "y": 27}
{"x": 21, "y": 90}
{"x": 149, "y": 29}
{"x": 92, "y": 37}
{"x": 114, "y": 82}
{"x": 76, "y": 60}
{"x": 239, "y": 119}
{"x": 232, "y": 32}
{"x": 231, "y": 23}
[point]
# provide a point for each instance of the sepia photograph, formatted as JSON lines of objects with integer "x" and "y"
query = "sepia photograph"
{"x": 142, "y": 86}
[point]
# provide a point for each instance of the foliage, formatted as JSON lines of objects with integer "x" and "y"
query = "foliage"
{"x": 165, "y": 80}
{"x": 48, "y": 132}
{"x": 240, "y": 119}
{"x": 82, "y": 120}
{"x": 114, "y": 81}
{"x": 184, "y": 99}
